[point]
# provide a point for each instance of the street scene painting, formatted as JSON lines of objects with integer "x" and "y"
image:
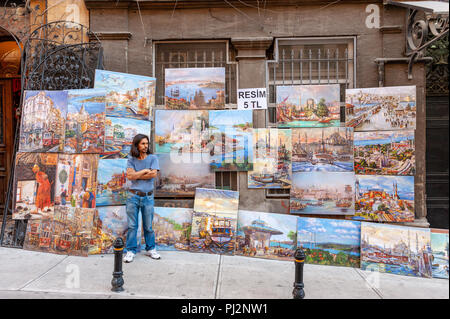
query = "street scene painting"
{"x": 330, "y": 241}
{"x": 181, "y": 178}
{"x": 323, "y": 193}
{"x": 195, "y": 88}
{"x": 112, "y": 182}
{"x": 85, "y": 122}
{"x": 384, "y": 198}
{"x": 439, "y": 247}
{"x": 308, "y": 105}
{"x": 111, "y": 222}
{"x": 76, "y": 180}
{"x": 42, "y": 125}
{"x": 385, "y": 153}
{"x": 119, "y": 134}
{"x": 34, "y": 185}
{"x": 230, "y": 138}
{"x": 272, "y": 167}
{"x": 266, "y": 235}
{"x": 128, "y": 95}
{"x": 68, "y": 232}
{"x": 397, "y": 250}
{"x": 181, "y": 131}
{"x": 381, "y": 108}
{"x": 172, "y": 227}
{"x": 327, "y": 149}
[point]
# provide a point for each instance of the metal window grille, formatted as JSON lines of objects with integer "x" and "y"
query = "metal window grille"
{"x": 227, "y": 180}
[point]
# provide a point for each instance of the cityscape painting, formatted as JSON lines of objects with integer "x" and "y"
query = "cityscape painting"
{"x": 230, "y": 140}
{"x": 85, "y": 122}
{"x": 323, "y": 193}
{"x": 112, "y": 182}
{"x": 384, "y": 198}
{"x": 34, "y": 185}
{"x": 128, "y": 95}
{"x": 385, "y": 153}
{"x": 42, "y": 124}
{"x": 172, "y": 227}
{"x": 381, "y": 108}
{"x": 308, "y": 105}
{"x": 439, "y": 247}
{"x": 195, "y": 88}
{"x": 327, "y": 149}
{"x": 111, "y": 222}
{"x": 330, "y": 241}
{"x": 396, "y": 249}
{"x": 266, "y": 235}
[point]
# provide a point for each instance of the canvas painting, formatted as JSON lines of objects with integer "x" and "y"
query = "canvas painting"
{"x": 439, "y": 247}
{"x": 183, "y": 131}
{"x": 327, "y": 149}
{"x": 272, "y": 167}
{"x": 385, "y": 153}
{"x": 119, "y": 134}
{"x": 216, "y": 201}
{"x": 111, "y": 222}
{"x": 34, "y": 185}
{"x": 323, "y": 193}
{"x": 330, "y": 241}
{"x": 381, "y": 108}
{"x": 384, "y": 198}
{"x": 68, "y": 232}
{"x": 396, "y": 249}
{"x": 308, "y": 105}
{"x": 230, "y": 140}
{"x": 112, "y": 182}
{"x": 180, "y": 177}
{"x": 85, "y": 122}
{"x": 8, "y": 235}
{"x": 76, "y": 180}
{"x": 266, "y": 235}
{"x": 172, "y": 227}
{"x": 195, "y": 88}
{"x": 128, "y": 95}
{"x": 42, "y": 124}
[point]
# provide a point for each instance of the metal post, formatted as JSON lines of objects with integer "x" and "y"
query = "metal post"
{"x": 117, "y": 281}
{"x": 298, "y": 292}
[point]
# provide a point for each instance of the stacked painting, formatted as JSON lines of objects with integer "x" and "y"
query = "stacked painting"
{"x": 439, "y": 248}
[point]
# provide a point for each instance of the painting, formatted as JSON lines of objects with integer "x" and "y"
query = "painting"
{"x": 128, "y": 95}
{"x": 172, "y": 227}
{"x": 216, "y": 201}
{"x": 195, "y": 88}
{"x": 112, "y": 182}
{"x": 396, "y": 249}
{"x": 68, "y": 232}
{"x": 308, "y": 105}
{"x": 272, "y": 167}
{"x": 385, "y": 153}
{"x": 230, "y": 140}
{"x": 85, "y": 122}
{"x": 323, "y": 193}
{"x": 330, "y": 241}
{"x": 76, "y": 180}
{"x": 384, "y": 198}
{"x": 439, "y": 248}
{"x": 34, "y": 182}
{"x": 327, "y": 149}
{"x": 266, "y": 235}
{"x": 111, "y": 222}
{"x": 119, "y": 134}
{"x": 180, "y": 177}
{"x": 182, "y": 131}
{"x": 9, "y": 231}
{"x": 381, "y": 108}
{"x": 42, "y": 125}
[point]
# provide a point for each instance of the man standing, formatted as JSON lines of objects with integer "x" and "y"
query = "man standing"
{"x": 142, "y": 168}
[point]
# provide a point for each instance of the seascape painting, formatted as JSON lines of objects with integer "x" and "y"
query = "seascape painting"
{"x": 439, "y": 247}
{"x": 112, "y": 182}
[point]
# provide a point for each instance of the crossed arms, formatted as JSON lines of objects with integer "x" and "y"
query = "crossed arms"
{"x": 142, "y": 174}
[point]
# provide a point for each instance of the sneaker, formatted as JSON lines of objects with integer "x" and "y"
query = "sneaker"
{"x": 129, "y": 257}
{"x": 153, "y": 254}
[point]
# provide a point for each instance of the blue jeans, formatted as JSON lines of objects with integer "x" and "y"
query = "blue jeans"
{"x": 145, "y": 204}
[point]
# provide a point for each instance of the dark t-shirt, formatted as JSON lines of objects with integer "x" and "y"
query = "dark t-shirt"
{"x": 150, "y": 162}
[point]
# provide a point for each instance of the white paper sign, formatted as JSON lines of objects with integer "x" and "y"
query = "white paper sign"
{"x": 252, "y": 99}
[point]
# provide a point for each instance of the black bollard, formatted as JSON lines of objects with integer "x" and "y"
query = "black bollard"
{"x": 298, "y": 292}
{"x": 117, "y": 281}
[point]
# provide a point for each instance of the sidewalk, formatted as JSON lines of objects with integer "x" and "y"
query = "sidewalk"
{"x": 27, "y": 274}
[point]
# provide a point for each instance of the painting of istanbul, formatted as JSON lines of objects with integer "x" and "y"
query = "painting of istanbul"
{"x": 383, "y": 108}
{"x": 384, "y": 198}
{"x": 172, "y": 227}
{"x": 308, "y": 105}
{"x": 385, "y": 153}
{"x": 195, "y": 88}
{"x": 439, "y": 246}
{"x": 112, "y": 182}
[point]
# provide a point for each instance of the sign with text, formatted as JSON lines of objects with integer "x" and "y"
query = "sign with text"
{"x": 252, "y": 99}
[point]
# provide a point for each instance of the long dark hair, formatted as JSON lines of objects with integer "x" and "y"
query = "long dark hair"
{"x": 134, "y": 146}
